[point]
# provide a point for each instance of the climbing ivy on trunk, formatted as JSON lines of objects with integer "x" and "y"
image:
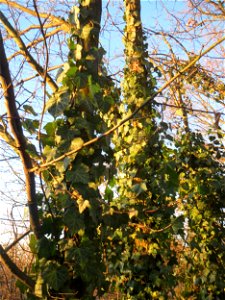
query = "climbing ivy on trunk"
{"x": 114, "y": 214}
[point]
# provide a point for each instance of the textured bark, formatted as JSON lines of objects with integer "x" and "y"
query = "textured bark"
{"x": 20, "y": 140}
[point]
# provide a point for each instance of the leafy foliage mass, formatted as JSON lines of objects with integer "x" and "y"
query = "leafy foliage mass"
{"x": 139, "y": 211}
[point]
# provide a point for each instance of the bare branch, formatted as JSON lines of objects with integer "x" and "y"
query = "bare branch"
{"x": 45, "y": 26}
{"x": 45, "y": 71}
{"x": 29, "y": 58}
{"x": 20, "y": 140}
{"x": 55, "y": 21}
{"x": 35, "y": 42}
{"x": 36, "y": 75}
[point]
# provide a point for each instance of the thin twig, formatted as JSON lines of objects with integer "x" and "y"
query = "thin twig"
{"x": 29, "y": 58}
{"x": 17, "y": 240}
{"x": 55, "y": 21}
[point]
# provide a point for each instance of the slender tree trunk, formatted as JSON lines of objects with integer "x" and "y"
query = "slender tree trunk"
{"x": 134, "y": 44}
{"x": 20, "y": 140}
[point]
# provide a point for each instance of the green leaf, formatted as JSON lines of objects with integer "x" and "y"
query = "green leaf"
{"x": 22, "y": 287}
{"x": 62, "y": 165}
{"x": 71, "y": 71}
{"x": 108, "y": 194}
{"x": 31, "y": 150}
{"x": 76, "y": 143}
{"x": 212, "y": 137}
{"x": 139, "y": 188}
{"x": 73, "y": 220}
{"x": 29, "y": 109}
{"x": 94, "y": 88}
{"x": 45, "y": 248}
{"x": 80, "y": 174}
{"x": 195, "y": 214}
{"x": 55, "y": 275}
{"x": 58, "y": 102}
{"x": 115, "y": 220}
{"x": 50, "y": 128}
{"x": 33, "y": 243}
{"x": 178, "y": 225}
{"x": 49, "y": 153}
{"x": 30, "y": 125}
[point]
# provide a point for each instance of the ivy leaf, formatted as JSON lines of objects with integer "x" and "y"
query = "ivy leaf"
{"x": 39, "y": 286}
{"x": 132, "y": 213}
{"x": 82, "y": 205}
{"x": 86, "y": 31}
{"x": 45, "y": 248}
{"x": 71, "y": 72}
{"x": 179, "y": 113}
{"x": 29, "y": 109}
{"x": 94, "y": 88}
{"x": 139, "y": 188}
{"x": 62, "y": 165}
{"x": 59, "y": 75}
{"x": 33, "y": 243}
{"x": 49, "y": 153}
{"x": 80, "y": 175}
{"x": 195, "y": 214}
{"x": 55, "y": 275}
{"x": 31, "y": 150}
{"x": 76, "y": 143}
{"x": 50, "y": 128}
{"x": 30, "y": 125}
{"x": 73, "y": 223}
{"x": 178, "y": 225}
{"x": 115, "y": 220}
{"x": 58, "y": 102}
{"x": 108, "y": 194}
{"x": 22, "y": 287}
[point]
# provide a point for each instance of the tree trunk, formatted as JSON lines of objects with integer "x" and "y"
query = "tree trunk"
{"x": 89, "y": 25}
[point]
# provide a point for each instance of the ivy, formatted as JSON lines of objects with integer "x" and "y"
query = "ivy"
{"x": 139, "y": 212}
